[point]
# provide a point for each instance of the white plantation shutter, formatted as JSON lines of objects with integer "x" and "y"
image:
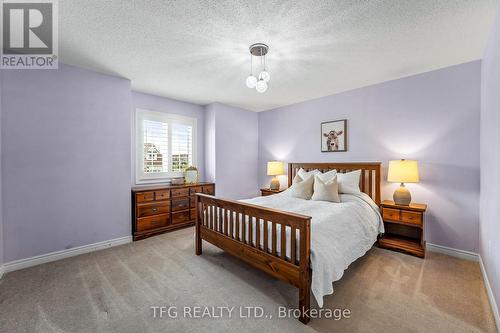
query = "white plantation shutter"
{"x": 165, "y": 145}
{"x": 155, "y": 151}
{"x": 182, "y": 146}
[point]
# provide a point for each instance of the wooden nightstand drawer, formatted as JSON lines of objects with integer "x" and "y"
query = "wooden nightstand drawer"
{"x": 147, "y": 209}
{"x": 391, "y": 214}
{"x": 153, "y": 222}
{"x": 180, "y": 192}
{"x": 144, "y": 196}
{"x": 411, "y": 217}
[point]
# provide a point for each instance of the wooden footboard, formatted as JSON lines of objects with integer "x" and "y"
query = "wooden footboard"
{"x": 258, "y": 236}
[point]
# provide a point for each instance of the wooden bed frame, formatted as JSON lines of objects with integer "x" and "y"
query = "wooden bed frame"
{"x": 216, "y": 224}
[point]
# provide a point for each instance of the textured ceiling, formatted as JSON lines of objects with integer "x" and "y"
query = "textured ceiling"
{"x": 197, "y": 51}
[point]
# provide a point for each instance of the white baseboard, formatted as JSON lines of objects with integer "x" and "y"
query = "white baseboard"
{"x": 53, "y": 256}
{"x": 489, "y": 291}
{"x": 467, "y": 255}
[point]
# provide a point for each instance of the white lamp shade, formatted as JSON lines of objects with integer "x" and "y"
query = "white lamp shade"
{"x": 251, "y": 81}
{"x": 403, "y": 171}
{"x": 264, "y": 76}
{"x": 261, "y": 86}
{"x": 275, "y": 168}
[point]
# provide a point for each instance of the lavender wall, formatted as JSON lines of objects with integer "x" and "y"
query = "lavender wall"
{"x": 161, "y": 104}
{"x": 489, "y": 235}
{"x": 232, "y": 138}
{"x": 210, "y": 160}
{"x": 432, "y": 117}
{"x": 66, "y": 159}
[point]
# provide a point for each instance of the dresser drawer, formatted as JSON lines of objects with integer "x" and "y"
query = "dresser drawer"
{"x": 180, "y": 204}
{"x": 391, "y": 214}
{"x": 162, "y": 195}
{"x": 180, "y": 192}
{"x": 193, "y": 214}
{"x": 196, "y": 189}
{"x": 152, "y": 222}
{"x": 144, "y": 196}
{"x": 180, "y": 217}
{"x": 208, "y": 189}
{"x": 154, "y": 208}
{"x": 411, "y": 217}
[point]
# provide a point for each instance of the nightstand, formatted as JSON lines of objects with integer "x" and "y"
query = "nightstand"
{"x": 404, "y": 228}
{"x": 268, "y": 191}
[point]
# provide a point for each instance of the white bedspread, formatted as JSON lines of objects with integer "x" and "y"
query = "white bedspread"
{"x": 340, "y": 233}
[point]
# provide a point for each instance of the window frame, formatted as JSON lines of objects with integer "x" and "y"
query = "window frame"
{"x": 169, "y": 118}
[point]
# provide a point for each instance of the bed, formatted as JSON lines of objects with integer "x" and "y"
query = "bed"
{"x": 320, "y": 239}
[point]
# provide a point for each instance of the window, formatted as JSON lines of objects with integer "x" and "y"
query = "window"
{"x": 165, "y": 145}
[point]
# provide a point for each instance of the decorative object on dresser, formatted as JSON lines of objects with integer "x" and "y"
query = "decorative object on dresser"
{"x": 402, "y": 171}
{"x": 177, "y": 181}
{"x": 334, "y": 136}
{"x": 275, "y": 168}
{"x": 267, "y": 191}
{"x": 404, "y": 228}
{"x": 191, "y": 175}
{"x": 220, "y": 221}
{"x": 161, "y": 208}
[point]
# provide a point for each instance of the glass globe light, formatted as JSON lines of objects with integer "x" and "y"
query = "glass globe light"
{"x": 251, "y": 81}
{"x": 261, "y": 86}
{"x": 264, "y": 76}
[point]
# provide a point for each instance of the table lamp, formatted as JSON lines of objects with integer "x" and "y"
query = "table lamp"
{"x": 275, "y": 168}
{"x": 402, "y": 171}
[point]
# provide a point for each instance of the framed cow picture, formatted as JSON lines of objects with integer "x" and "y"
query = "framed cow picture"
{"x": 334, "y": 136}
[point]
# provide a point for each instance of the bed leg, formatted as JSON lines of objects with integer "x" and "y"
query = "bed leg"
{"x": 305, "y": 300}
{"x": 197, "y": 238}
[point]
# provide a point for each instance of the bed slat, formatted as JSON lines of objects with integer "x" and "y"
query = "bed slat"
{"x": 283, "y": 241}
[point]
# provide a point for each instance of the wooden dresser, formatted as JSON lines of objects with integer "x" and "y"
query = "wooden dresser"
{"x": 161, "y": 208}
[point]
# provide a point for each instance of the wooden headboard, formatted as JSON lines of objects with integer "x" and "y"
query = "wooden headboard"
{"x": 370, "y": 174}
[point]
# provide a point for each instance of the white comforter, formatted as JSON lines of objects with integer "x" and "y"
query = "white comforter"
{"x": 340, "y": 233}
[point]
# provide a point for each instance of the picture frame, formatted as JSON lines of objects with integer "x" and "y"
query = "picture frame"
{"x": 334, "y": 136}
{"x": 191, "y": 175}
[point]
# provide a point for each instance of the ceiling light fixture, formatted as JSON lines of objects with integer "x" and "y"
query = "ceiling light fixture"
{"x": 260, "y": 83}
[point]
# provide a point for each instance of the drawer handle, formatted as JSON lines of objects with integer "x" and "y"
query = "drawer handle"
{"x": 154, "y": 209}
{"x": 153, "y": 222}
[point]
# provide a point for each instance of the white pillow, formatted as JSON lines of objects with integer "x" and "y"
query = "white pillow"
{"x": 301, "y": 188}
{"x": 349, "y": 182}
{"x": 327, "y": 176}
{"x": 325, "y": 190}
{"x": 304, "y": 174}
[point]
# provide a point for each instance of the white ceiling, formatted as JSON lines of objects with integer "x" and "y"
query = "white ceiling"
{"x": 197, "y": 51}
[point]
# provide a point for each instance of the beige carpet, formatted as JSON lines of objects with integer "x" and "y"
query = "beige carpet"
{"x": 113, "y": 291}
